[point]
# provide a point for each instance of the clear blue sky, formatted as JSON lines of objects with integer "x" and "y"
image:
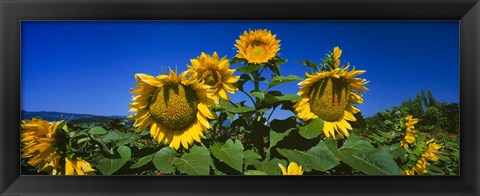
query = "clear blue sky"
{"x": 89, "y": 67}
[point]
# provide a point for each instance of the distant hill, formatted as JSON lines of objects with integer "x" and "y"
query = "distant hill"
{"x": 55, "y": 116}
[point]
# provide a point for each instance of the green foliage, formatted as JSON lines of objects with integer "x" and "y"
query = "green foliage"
{"x": 437, "y": 120}
{"x": 195, "y": 162}
{"x": 270, "y": 167}
{"x": 244, "y": 139}
{"x": 370, "y": 162}
{"x": 163, "y": 160}
{"x": 142, "y": 161}
{"x": 312, "y": 130}
{"x": 109, "y": 166}
{"x": 230, "y": 153}
{"x": 249, "y": 69}
{"x": 224, "y": 104}
{"x": 97, "y": 130}
{"x": 318, "y": 158}
{"x": 276, "y": 80}
{"x": 310, "y": 64}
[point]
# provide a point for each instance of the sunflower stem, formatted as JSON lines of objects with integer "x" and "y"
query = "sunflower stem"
{"x": 256, "y": 82}
{"x": 270, "y": 115}
{"x": 248, "y": 95}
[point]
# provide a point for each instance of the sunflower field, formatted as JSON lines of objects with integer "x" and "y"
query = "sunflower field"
{"x": 186, "y": 124}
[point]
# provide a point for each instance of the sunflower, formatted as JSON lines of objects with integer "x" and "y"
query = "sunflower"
{"x": 257, "y": 46}
{"x": 431, "y": 154}
{"x": 176, "y": 109}
{"x": 432, "y": 151}
{"x": 214, "y": 73}
{"x": 336, "y": 56}
{"x": 409, "y": 131}
{"x": 408, "y": 172}
{"x": 78, "y": 167}
{"x": 39, "y": 137}
{"x": 293, "y": 169}
{"x": 329, "y": 95}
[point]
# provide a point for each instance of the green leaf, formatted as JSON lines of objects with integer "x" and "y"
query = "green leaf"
{"x": 65, "y": 127}
{"x": 317, "y": 158}
{"x": 259, "y": 94}
{"x": 229, "y": 107}
{"x": 270, "y": 167}
{"x": 276, "y": 80}
{"x": 163, "y": 160}
{"x": 251, "y": 158}
{"x": 383, "y": 161}
{"x": 97, "y": 131}
{"x": 395, "y": 150}
{"x": 356, "y": 144}
{"x": 196, "y": 162}
{"x": 109, "y": 166}
{"x": 237, "y": 60}
{"x": 277, "y": 60}
{"x": 119, "y": 138}
{"x": 249, "y": 68}
{"x": 274, "y": 67}
{"x": 230, "y": 153}
{"x": 312, "y": 130}
{"x": 142, "y": 161}
{"x": 231, "y": 116}
{"x": 387, "y": 122}
{"x": 276, "y": 137}
{"x": 269, "y": 99}
{"x": 310, "y": 64}
{"x": 282, "y": 125}
{"x": 255, "y": 173}
{"x": 376, "y": 162}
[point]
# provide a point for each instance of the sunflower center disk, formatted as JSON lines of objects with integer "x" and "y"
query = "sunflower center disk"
{"x": 328, "y": 98}
{"x": 257, "y": 52}
{"x": 174, "y": 106}
{"x": 212, "y": 77}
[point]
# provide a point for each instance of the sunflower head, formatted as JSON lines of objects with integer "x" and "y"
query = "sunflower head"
{"x": 432, "y": 152}
{"x": 78, "y": 167}
{"x": 409, "y": 131}
{"x": 408, "y": 172}
{"x": 214, "y": 73}
{"x": 39, "y": 137}
{"x": 176, "y": 109}
{"x": 293, "y": 169}
{"x": 329, "y": 95}
{"x": 336, "y": 56}
{"x": 420, "y": 166}
{"x": 258, "y": 46}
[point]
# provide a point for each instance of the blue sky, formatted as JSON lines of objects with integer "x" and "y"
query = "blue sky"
{"x": 88, "y": 67}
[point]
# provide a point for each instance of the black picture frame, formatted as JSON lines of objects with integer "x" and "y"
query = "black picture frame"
{"x": 467, "y": 12}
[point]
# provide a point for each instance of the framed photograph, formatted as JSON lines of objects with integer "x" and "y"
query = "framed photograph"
{"x": 239, "y": 97}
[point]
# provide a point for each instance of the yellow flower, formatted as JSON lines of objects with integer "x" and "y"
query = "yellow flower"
{"x": 431, "y": 154}
{"x": 432, "y": 151}
{"x": 409, "y": 138}
{"x": 404, "y": 144}
{"x": 411, "y": 122}
{"x": 336, "y": 56}
{"x": 408, "y": 172}
{"x": 214, "y": 73}
{"x": 329, "y": 95}
{"x": 38, "y": 137}
{"x": 176, "y": 109}
{"x": 293, "y": 169}
{"x": 409, "y": 131}
{"x": 421, "y": 166}
{"x": 257, "y": 46}
{"x": 78, "y": 167}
